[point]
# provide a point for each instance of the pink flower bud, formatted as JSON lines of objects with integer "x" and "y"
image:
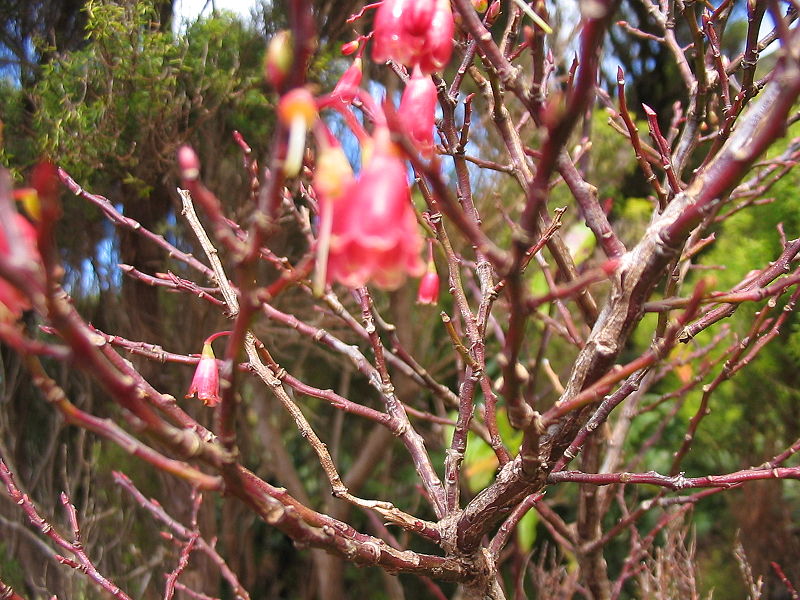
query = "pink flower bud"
{"x": 429, "y": 287}
{"x": 428, "y": 292}
{"x": 278, "y": 59}
{"x": 439, "y": 45}
{"x": 414, "y": 32}
{"x": 417, "y": 111}
{"x": 205, "y": 383}
{"x": 374, "y": 235}
{"x": 188, "y": 163}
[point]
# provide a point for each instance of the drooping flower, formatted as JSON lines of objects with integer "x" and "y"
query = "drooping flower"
{"x": 297, "y": 110}
{"x": 429, "y": 288}
{"x": 417, "y": 111}
{"x": 374, "y": 234}
{"x": 205, "y": 383}
{"x": 428, "y": 292}
{"x": 414, "y": 33}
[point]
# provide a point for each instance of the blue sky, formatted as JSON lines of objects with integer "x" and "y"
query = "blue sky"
{"x": 188, "y": 10}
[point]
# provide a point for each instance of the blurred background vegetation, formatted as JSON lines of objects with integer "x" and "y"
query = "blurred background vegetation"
{"x": 109, "y": 90}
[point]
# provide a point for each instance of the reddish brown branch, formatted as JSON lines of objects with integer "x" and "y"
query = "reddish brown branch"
{"x": 83, "y": 563}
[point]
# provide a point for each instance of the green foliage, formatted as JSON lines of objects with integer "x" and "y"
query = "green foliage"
{"x": 93, "y": 103}
{"x": 526, "y": 530}
{"x": 124, "y": 103}
{"x": 480, "y": 462}
{"x": 13, "y": 573}
{"x": 612, "y": 158}
{"x": 15, "y": 150}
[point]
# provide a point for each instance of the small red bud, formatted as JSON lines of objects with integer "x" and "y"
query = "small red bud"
{"x": 428, "y": 292}
{"x": 350, "y": 47}
{"x": 610, "y": 266}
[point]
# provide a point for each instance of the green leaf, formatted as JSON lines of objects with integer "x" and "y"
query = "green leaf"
{"x": 526, "y": 530}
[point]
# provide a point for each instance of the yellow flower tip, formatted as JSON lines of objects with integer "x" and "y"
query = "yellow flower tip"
{"x": 298, "y": 104}
{"x": 333, "y": 173}
{"x": 208, "y": 351}
{"x": 297, "y": 110}
{"x": 29, "y": 199}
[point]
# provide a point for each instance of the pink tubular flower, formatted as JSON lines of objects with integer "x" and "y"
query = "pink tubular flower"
{"x": 348, "y": 82}
{"x": 374, "y": 234}
{"x": 414, "y": 33}
{"x": 205, "y": 383}
{"x": 417, "y": 111}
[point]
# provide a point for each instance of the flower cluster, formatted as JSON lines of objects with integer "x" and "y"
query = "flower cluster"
{"x": 415, "y": 33}
{"x": 367, "y": 229}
